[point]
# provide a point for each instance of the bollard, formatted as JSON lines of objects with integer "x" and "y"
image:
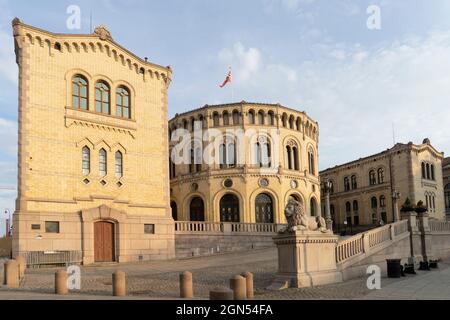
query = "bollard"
{"x": 11, "y": 274}
{"x": 221, "y": 294}
{"x": 249, "y": 284}
{"x": 61, "y": 282}
{"x": 119, "y": 285}
{"x": 186, "y": 290}
{"x": 237, "y": 284}
{"x": 22, "y": 262}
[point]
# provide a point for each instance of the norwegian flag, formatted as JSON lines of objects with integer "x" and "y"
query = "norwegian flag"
{"x": 227, "y": 79}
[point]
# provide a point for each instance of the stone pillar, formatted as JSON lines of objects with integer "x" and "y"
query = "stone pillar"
{"x": 119, "y": 285}
{"x": 61, "y": 282}
{"x": 415, "y": 237}
{"x": 11, "y": 276}
{"x": 249, "y": 284}
{"x": 328, "y": 219}
{"x": 22, "y": 262}
{"x": 306, "y": 259}
{"x": 186, "y": 290}
{"x": 427, "y": 251}
{"x": 237, "y": 284}
{"x": 221, "y": 294}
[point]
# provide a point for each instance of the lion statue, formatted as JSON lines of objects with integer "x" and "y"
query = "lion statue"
{"x": 298, "y": 220}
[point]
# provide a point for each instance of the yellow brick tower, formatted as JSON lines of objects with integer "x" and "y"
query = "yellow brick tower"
{"x": 93, "y": 177}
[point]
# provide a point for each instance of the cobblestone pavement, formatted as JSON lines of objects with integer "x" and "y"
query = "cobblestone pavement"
{"x": 160, "y": 280}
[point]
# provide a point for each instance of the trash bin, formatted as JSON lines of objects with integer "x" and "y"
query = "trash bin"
{"x": 394, "y": 268}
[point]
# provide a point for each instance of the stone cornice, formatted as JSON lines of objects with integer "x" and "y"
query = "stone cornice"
{"x": 91, "y": 43}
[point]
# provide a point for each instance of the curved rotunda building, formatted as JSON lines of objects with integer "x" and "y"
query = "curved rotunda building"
{"x": 253, "y": 176}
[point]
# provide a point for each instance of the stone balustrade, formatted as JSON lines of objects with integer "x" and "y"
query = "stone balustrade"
{"x": 439, "y": 226}
{"x": 363, "y": 243}
{"x": 195, "y": 227}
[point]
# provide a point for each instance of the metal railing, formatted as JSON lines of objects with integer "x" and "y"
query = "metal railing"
{"x": 37, "y": 258}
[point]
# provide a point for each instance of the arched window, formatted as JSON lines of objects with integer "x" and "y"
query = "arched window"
{"x": 284, "y": 120}
{"x": 80, "y": 93}
{"x": 123, "y": 103}
{"x": 296, "y": 162}
{"x": 271, "y": 118}
{"x": 86, "y": 161}
{"x": 263, "y": 153}
{"x": 372, "y": 178}
{"x": 382, "y": 201}
{"x": 173, "y": 207}
{"x": 202, "y": 121}
{"x": 197, "y": 209}
{"x": 313, "y": 207}
{"x": 192, "y": 161}
{"x": 236, "y": 119}
{"x": 354, "y": 182}
{"x": 291, "y": 122}
{"x": 380, "y": 176}
{"x": 289, "y": 157}
{"x": 102, "y": 160}
{"x": 102, "y": 98}
{"x": 185, "y": 124}
{"x": 172, "y": 168}
{"x": 226, "y": 118}
{"x": 374, "y": 203}
{"x": 229, "y": 208}
{"x": 348, "y": 212}
{"x": 264, "y": 209}
{"x": 432, "y": 172}
{"x": 447, "y": 197}
{"x": 261, "y": 117}
{"x": 428, "y": 171}
{"x": 311, "y": 162}
{"x": 424, "y": 172}
{"x": 216, "y": 119}
{"x": 251, "y": 117}
{"x": 227, "y": 153}
{"x": 299, "y": 124}
{"x": 223, "y": 155}
{"x": 346, "y": 184}
{"x": 119, "y": 164}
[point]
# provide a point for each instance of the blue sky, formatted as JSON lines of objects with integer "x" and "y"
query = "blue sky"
{"x": 314, "y": 55}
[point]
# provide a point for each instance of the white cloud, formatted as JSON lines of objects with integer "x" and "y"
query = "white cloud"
{"x": 358, "y": 93}
{"x": 245, "y": 62}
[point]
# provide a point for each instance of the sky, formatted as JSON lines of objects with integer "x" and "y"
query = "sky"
{"x": 366, "y": 87}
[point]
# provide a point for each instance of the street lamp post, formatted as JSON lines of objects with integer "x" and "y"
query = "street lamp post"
{"x": 8, "y": 223}
{"x": 327, "y": 185}
{"x": 395, "y": 196}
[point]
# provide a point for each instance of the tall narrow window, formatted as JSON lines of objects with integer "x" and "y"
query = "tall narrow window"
{"x": 428, "y": 171}
{"x": 236, "y": 118}
{"x": 271, "y": 118}
{"x": 226, "y": 118}
{"x": 380, "y": 176}
{"x": 223, "y": 155}
{"x": 261, "y": 117}
{"x": 424, "y": 174}
{"x": 346, "y": 184}
{"x": 86, "y": 162}
{"x": 372, "y": 178}
{"x": 119, "y": 164}
{"x": 296, "y": 162}
{"x": 80, "y": 93}
{"x": 312, "y": 163}
{"x": 216, "y": 119}
{"x": 251, "y": 117}
{"x": 432, "y": 172}
{"x": 289, "y": 157}
{"x": 354, "y": 183}
{"x": 102, "y": 98}
{"x": 102, "y": 162}
{"x": 123, "y": 103}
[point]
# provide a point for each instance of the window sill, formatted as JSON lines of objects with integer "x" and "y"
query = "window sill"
{"x": 77, "y": 116}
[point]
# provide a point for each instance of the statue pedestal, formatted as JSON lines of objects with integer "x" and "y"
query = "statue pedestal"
{"x": 306, "y": 259}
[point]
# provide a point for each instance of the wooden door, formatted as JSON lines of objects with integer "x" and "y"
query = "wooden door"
{"x": 104, "y": 242}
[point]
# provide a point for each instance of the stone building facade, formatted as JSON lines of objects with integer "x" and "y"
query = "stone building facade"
{"x": 446, "y": 184}
{"x": 362, "y": 192}
{"x": 251, "y": 176}
{"x": 92, "y": 167}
